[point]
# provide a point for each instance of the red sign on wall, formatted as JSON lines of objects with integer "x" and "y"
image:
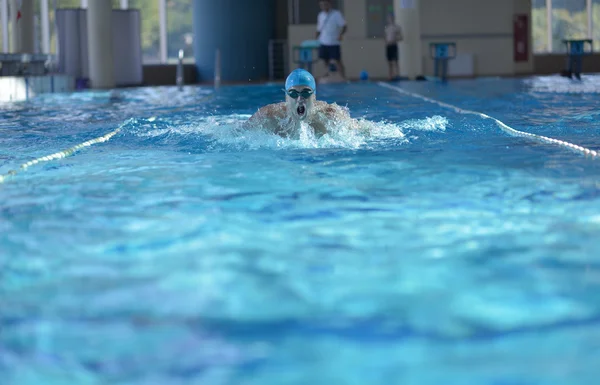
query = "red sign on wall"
{"x": 521, "y": 37}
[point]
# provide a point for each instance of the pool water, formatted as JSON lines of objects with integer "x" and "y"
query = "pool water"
{"x": 429, "y": 248}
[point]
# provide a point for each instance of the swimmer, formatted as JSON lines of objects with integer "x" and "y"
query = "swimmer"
{"x": 300, "y": 106}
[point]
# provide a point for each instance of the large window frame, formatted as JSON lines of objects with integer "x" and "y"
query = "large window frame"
{"x": 45, "y": 29}
{"x": 549, "y": 39}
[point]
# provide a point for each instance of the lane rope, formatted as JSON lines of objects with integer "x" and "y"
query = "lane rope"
{"x": 503, "y": 126}
{"x": 59, "y": 155}
{"x": 69, "y": 151}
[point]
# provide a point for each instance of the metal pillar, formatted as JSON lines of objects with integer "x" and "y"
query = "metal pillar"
{"x": 15, "y": 36}
{"x": 590, "y": 19}
{"x": 549, "y": 25}
{"x": 27, "y": 26}
{"x": 407, "y": 14}
{"x": 99, "y": 37}
{"x": 4, "y": 25}
{"x": 45, "y": 27}
{"x": 162, "y": 20}
{"x": 21, "y": 19}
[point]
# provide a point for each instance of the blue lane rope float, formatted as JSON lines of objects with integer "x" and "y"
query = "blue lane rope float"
{"x": 503, "y": 126}
{"x": 69, "y": 151}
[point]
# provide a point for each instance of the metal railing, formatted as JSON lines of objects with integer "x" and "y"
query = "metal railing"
{"x": 179, "y": 76}
{"x": 278, "y": 59}
{"x": 217, "y": 68}
{"x": 20, "y": 64}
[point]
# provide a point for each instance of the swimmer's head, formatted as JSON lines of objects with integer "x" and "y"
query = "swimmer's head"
{"x": 300, "y": 90}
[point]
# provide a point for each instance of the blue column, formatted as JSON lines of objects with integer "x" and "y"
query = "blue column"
{"x": 241, "y": 29}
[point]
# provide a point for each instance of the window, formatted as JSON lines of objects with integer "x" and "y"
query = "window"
{"x": 376, "y": 12}
{"x": 179, "y": 29}
{"x": 556, "y": 20}
{"x": 539, "y": 26}
{"x": 569, "y": 21}
{"x": 68, "y": 4}
{"x": 150, "y": 33}
{"x": 176, "y": 16}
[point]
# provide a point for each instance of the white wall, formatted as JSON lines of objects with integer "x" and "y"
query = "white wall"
{"x": 482, "y": 28}
{"x": 524, "y": 7}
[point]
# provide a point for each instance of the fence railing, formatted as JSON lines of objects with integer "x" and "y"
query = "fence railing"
{"x": 278, "y": 59}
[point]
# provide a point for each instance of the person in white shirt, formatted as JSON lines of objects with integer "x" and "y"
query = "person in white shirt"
{"x": 393, "y": 35}
{"x": 331, "y": 27}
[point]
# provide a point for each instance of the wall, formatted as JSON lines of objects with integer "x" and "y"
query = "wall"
{"x": 281, "y": 19}
{"x": 241, "y": 29}
{"x": 483, "y": 28}
{"x": 551, "y": 64}
{"x": 166, "y": 74}
{"x": 524, "y": 7}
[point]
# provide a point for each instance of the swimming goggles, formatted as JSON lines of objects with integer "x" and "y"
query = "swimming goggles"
{"x": 305, "y": 93}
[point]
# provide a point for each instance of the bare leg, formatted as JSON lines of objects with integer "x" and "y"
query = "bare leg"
{"x": 393, "y": 69}
{"x": 326, "y": 63}
{"x": 340, "y": 67}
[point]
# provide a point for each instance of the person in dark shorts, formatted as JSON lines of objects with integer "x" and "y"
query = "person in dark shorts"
{"x": 331, "y": 27}
{"x": 393, "y": 35}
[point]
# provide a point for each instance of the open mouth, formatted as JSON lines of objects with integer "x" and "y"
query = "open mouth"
{"x": 301, "y": 110}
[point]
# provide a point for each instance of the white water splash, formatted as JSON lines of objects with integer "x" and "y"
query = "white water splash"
{"x": 229, "y": 130}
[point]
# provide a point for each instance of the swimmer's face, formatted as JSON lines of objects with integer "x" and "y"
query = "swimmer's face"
{"x": 299, "y": 101}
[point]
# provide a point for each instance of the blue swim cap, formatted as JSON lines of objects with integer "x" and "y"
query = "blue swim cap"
{"x": 300, "y": 77}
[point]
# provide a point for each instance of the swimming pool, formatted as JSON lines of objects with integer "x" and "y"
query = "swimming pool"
{"x": 433, "y": 248}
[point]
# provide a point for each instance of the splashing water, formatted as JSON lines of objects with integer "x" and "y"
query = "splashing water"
{"x": 227, "y": 132}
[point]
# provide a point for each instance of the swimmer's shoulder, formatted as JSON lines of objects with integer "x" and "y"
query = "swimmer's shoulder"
{"x": 268, "y": 117}
{"x": 275, "y": 110}
{"x": 332, "y": 110}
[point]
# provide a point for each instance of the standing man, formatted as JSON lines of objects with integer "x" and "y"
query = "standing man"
{"x": 393, "y": 35}
{"x": 331, "y": 27}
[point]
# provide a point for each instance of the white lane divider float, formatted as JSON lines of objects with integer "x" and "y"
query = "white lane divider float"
{"x": 506, "y": 128}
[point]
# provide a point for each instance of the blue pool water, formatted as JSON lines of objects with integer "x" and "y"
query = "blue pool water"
{"x": 429, "y": 248}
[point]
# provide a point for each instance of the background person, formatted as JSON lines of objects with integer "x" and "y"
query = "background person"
{"x": 331, "y": 27}
{"x": 393, "y": 35}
